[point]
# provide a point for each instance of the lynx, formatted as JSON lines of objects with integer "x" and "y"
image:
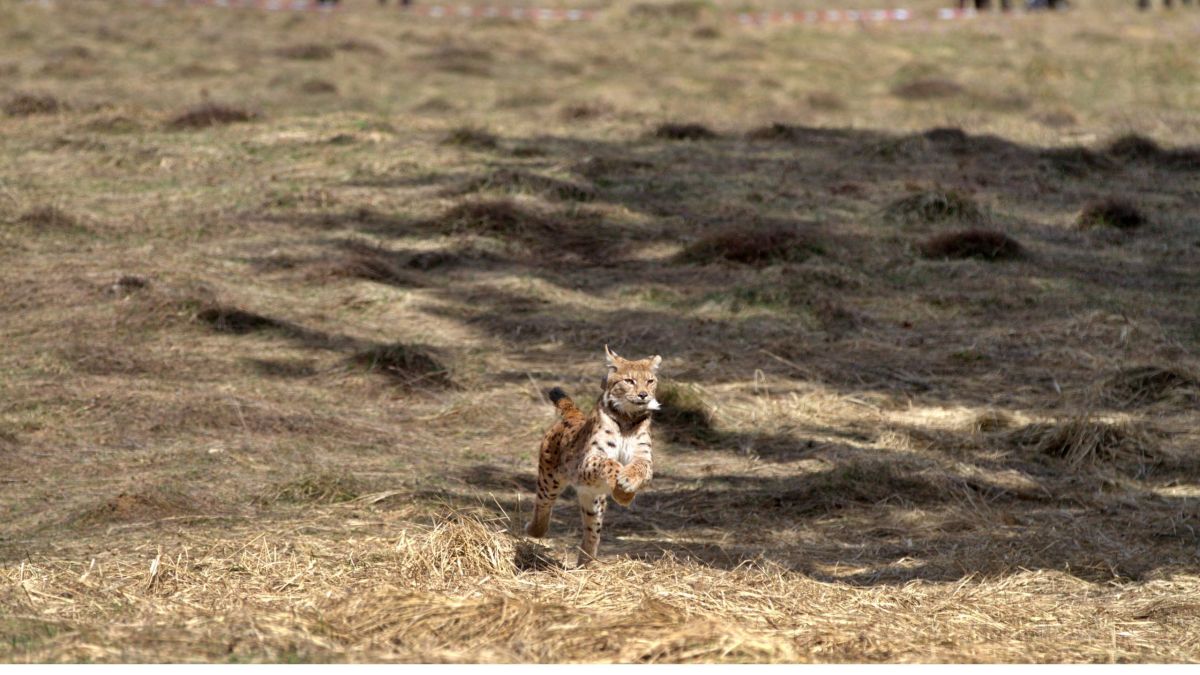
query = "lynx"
{"x": 605, "y": 452}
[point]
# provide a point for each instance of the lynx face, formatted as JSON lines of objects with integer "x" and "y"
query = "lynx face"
{"x": 630, "y": 386}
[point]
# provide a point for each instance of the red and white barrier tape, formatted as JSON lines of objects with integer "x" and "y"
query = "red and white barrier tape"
{"x": 561, "y": 14}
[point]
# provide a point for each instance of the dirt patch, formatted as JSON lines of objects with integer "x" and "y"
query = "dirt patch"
{"x": 935, "y": 206}
{"x": 210, "y": 114}
{"x": 25, "y": 105}
{"x": 673, "y": 131}
{"x": 408, "y": 365}
{"x": 757, "y": 245}
{"x": 976, "y": 243}
{"x": 925, "y": 89}
{"x": 1118, "y": 213}
{"x": 1143, "y": 385}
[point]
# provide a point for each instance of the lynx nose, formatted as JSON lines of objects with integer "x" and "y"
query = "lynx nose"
{"x": 642, "y": 394}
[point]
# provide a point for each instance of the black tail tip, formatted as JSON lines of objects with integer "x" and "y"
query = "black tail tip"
{"x": 556, "y": 394}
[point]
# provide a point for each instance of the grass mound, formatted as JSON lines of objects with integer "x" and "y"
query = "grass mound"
{"x": 685, "y": 415}
{"x": 1076, "y": 161}
{"x": 322, "y": 487}
{"x": 25, "y": 105}
{"x": 756, "y": 245}
{"x": 927, "y": 88}
{"x": 952, "y": 137}
{"x": 1143, "y": 385}
{"x": 471, "y": 137}
{"x": 515, "y": 180}
{"x": 407, "y": 365}
{"x": 1083, "y": 441}
{"x": 934, "y": 206}
{"x": 357, "y": 260}
{"x": 856, "y": 483}
{"x": 129, "y": 507}
{"x": 775, "y": 131}
{"x": 675, "y": 131}
{"x": 493, "y": 217}
{"x": 975, "y": 243}
{"x": 225, "y": 319}
{"x": 318, "y": 86}
{"x": 1117, "y": 213}
{"x": 49, "y": 219}
{"x": 209, "y": 115}
{"x": 1134, "y": 147}
{"x": 306, "y": 52}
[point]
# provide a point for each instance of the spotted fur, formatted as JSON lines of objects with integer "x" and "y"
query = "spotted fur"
{"x": 606, "y": 452}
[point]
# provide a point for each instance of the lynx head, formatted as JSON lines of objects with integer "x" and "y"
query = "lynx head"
{"x": 629, "y": 386}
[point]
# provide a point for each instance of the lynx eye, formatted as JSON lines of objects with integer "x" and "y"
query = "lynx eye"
{"x": 650, "y": 381}
{"x": 630, "y": 381}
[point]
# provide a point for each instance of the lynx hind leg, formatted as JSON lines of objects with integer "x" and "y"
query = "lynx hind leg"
{"x": 591, "y": 508}
{"x": 550, "y": 485}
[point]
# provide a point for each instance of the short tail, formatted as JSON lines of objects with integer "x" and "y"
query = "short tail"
{"x": 561, "y": 401}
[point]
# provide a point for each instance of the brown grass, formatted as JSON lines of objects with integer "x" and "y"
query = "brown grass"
{"x": 1116, "y": 213}
{"x": 977, "y": 243}
{"x": 208, "y": 115}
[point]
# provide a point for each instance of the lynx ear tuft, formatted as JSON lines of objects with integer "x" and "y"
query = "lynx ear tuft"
{"x": 655, "y": 362}
{"x": 611, "y": 358}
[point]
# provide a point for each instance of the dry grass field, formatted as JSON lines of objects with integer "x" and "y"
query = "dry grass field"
{"x": 280, "y": 294}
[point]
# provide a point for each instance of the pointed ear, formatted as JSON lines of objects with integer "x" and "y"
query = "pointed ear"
{"x": 611, "y": 357}
{"x": 655, "y": 362}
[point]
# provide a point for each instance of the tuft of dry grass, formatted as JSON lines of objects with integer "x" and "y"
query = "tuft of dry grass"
{"x": 25, "y": 105}
{"x": 1143, "y": 385}
{"x": 753, "y": 244}
{"x": 407, "y": 365}
{"x": 318, "y": 86}
{"x": 1118, "y": 213}
{"x": 935, "y": 206}
{"x": 684, "y": 131}
{"x": 208, "y": 115}
{"x": 227, "y": 319}
{"x": 494, "y": 217}
{"x": 1084, "y": 441}
{"x": 982, "y": 244}
{"x": 358, "y": 260}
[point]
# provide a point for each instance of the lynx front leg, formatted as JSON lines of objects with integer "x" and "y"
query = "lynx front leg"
{"x": 550, "y": 485}
{"x": 591, "y": 508}
{"x": 631, "y": 479}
